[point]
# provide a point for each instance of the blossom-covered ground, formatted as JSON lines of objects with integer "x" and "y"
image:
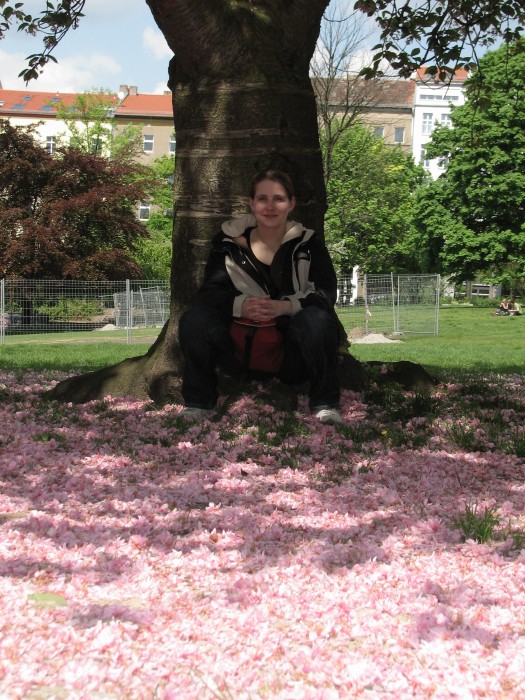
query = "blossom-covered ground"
{"x": 261, "y": 555}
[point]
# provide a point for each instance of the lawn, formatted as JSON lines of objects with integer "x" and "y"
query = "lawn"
{"x": 258, "y": 554}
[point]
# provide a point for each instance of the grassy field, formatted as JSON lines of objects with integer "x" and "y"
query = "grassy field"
{"x": 470, "y": 341}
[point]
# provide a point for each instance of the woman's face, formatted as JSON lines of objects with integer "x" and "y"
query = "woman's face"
{"x": 271, "y": 204}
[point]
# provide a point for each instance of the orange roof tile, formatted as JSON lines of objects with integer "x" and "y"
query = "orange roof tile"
{"x": 146, "y": 105}
{"x": 33, "y": 103}
{"x": 459, "y": 75}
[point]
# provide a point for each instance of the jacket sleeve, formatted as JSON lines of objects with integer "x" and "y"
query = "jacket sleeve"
{"x": 217, "y": 289}
{"x": 316, "y": 279}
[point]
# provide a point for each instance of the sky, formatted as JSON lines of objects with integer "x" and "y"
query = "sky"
{"x": 117, "y": 43}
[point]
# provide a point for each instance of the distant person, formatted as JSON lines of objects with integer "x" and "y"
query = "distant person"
{"x": 514, "y": 308}
{"x": 503, "y": 309}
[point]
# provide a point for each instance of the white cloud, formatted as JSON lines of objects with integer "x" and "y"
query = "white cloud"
{"x": 155, "y": 43}
{"x": 160, "y": 88}
{"x": 74, "y": 74}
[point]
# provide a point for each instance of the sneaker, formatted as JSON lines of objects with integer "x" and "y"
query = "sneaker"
{"x": 329, "y": 416}
{"x": 195, "y": 413}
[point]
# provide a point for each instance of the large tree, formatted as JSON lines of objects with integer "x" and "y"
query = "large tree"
{"x": 474, "y": 214}
{"x": 243, "y": 100}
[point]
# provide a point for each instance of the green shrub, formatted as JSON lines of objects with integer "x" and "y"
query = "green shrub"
{"x": 485, "y": 303}
{"x": 67, "y": 309}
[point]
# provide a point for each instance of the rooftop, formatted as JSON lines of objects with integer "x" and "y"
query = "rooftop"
{"x": 45, "y": 104}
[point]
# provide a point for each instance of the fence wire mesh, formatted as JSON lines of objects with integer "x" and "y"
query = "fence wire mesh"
{"x": 390, "y": 304}
{"x": 135, "y": 310}
{"x": 113, "y": 309}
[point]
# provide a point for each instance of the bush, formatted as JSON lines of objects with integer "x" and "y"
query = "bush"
{"x": 485, "y": 303}
{"x": 68, "y": 309}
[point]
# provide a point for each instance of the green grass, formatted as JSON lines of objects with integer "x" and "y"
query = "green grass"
{"x": 470, "y": 342}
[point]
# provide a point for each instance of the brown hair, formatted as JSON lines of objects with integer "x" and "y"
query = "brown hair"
{"x": 276, "y": 176}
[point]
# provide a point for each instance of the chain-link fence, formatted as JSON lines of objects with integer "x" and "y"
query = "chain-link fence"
{"x": 391, "y": 304}
{"x": 135, "y": 310}
{"x": 115, "y": 310}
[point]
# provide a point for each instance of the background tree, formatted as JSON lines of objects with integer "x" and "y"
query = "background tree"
{"x": 341, "y": 92}
{"x": 67, "y": 216}
{"x": 474, "y": 214}
{"x": 154, "y": 253}
{"x": 243, "y": 100}
{"x": 90, "y": 127}
{"x": 441, "y": 36}
{"x": 370, "y": 195}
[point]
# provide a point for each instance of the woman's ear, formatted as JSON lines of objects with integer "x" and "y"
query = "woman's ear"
{"x": 293, "y": 202}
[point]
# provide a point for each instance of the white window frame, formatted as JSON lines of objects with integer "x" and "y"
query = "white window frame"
{"x": 172, "y": 145}
{"x": 51, "y": 144}
{"x": 144, "y": 211}
{"x": 148, "y": 143}
{"x": 428, "y": 123}
{"x": 401, "y": 131}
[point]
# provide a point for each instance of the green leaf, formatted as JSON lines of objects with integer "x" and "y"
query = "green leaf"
{"x": 47, "y": 600}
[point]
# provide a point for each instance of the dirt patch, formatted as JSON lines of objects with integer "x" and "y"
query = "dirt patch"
{"x": 372, "y": 338}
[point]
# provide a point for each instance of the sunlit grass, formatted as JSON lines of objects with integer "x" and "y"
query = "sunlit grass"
{"x": 471, "y": 342}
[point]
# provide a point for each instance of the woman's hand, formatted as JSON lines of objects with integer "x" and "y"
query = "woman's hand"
{"x": 265, "y": 309}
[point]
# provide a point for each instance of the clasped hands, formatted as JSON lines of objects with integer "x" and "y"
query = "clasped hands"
{"x": 265, "y": 309}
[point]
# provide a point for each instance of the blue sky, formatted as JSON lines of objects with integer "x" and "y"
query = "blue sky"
{"x": 116, "y": 43}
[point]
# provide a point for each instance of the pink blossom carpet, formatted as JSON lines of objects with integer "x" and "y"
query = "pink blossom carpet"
{"x": 261, "y": 555}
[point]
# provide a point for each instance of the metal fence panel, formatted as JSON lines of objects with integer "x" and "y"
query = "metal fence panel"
{"x": 30, "y": 307}
{"x": 402, "y": 303}
{"x": 120, "y": 311}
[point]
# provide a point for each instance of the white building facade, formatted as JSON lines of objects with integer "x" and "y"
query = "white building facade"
{"x": 433, "y": 102}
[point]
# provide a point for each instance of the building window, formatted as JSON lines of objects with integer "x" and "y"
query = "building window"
{"x": 51, "y": 144}
{"x": 399, "y": 134}
{"x": 427, "y": 122}
{"x": 424, "y": 160}
{"x": 379, "y": 132}
{"x": 148, "y": 143}
{"x": 144, "y": 211}
{"x": 446, "y": 120}
{"x": 173, "y": 145}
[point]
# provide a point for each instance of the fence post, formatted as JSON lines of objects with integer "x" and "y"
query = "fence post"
{"x": 438, "y": 292}
{"x": 365, "y": 290}
{"x": 129, "y": 313}
{"x": 3, "y": 319}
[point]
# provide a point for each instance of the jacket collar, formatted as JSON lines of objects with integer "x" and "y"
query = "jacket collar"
{"x": 236, "y": 227}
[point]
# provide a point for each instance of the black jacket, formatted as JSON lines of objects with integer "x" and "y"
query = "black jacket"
{"x": 301, "y": 271}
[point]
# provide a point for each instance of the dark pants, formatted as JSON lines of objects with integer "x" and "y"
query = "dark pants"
{"x": 311, "y": 344}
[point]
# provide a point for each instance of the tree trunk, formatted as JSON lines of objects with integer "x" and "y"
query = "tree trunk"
{"x": 242, "y": 101}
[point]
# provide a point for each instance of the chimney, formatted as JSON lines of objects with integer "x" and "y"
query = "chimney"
{"x": 133, "y": 90}
{"x": 124, "y": 89}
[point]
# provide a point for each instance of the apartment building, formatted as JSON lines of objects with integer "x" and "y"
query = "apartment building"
{"x": 389, "y": 112}
{"x": 153, "y": 113}
{"x": 402, "y": 112}
{"x": 433, "y": 102}
{"x": 385, "y": 106}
